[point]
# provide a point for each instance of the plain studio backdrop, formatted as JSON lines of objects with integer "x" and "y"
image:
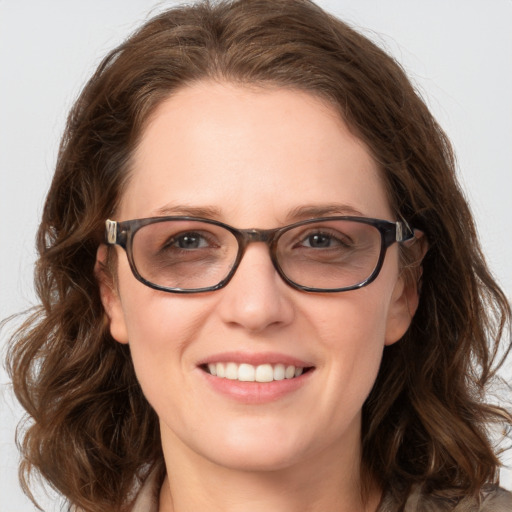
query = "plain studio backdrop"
{"x": 458, "y": 53}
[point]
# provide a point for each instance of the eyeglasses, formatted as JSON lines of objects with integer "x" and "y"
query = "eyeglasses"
{"x": 192, "y": 255}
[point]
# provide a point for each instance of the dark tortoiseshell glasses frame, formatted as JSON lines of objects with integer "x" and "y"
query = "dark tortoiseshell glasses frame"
{"x": 122, "y": 234}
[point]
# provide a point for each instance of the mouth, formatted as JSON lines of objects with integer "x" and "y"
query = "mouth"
{"x": 244, "y": 372}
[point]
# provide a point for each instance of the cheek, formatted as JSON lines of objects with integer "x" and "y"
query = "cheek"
{"x": 351, "y": 334}
{"x": 160, "y": 326}
{"x": 155, "y": 319}
{"x": 161, "y": 333}
{"x": 354, "y": 322}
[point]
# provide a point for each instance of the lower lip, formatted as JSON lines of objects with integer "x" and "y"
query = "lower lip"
{"x": 256, "y": 392}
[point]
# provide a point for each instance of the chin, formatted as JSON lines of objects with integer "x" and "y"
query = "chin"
{"x": 261, "y": 451}
{"x": 266, "y": 460}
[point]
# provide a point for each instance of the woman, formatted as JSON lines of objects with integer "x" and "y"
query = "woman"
{"x": 289, "y": 308}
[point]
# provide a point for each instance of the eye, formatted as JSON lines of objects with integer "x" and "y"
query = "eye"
{"x": 323, "y": 240}
{"x": 190, "y": 240}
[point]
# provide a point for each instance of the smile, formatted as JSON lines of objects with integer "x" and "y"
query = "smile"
{"x": 249, "y": 373}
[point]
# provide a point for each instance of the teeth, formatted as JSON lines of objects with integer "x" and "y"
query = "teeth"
{"x": 248, "y": 373}
{"x": 232, "y": 371}
{"x": 264, "y": 373}
{"x": 221, "y": 370}
{"x": 289, "y": 373}
{"x": 279, "y": 372}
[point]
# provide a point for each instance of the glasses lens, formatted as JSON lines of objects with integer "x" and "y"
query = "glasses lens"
{"x": 329, "y": 255}
{"x": 184, "y": 254}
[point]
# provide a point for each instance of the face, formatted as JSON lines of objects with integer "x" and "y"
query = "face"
{"x": 256, "y": 158}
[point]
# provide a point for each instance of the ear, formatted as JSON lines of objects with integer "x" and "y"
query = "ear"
{"x": 110, "y": 296}
{"x": 406, "y": 294}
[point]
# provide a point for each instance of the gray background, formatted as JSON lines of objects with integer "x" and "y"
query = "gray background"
{"x": 458, "y": 52}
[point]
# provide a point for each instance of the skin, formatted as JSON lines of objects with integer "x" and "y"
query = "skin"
{"x": 251, "y": 157}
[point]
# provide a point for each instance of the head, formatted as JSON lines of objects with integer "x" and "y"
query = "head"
{"x": 414, "y": 420}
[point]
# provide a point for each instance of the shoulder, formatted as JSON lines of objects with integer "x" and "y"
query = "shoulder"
{"x": 496, "y": 499}
{"x": 492, "y": 499}
{"x": 147, "y": 497}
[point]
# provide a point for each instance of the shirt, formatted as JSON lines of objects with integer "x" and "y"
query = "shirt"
{"x": 493, "y": 499}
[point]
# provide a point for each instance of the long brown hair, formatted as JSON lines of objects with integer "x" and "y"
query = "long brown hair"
{"x": 92, "y": 434}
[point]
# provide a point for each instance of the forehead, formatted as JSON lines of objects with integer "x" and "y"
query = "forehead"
{"x": 251, "y": 154}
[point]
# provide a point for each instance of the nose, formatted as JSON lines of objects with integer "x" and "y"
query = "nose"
{"x": 256, "y": 298}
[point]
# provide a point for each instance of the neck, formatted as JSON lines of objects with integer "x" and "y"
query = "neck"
{"x": 325, "y": 482}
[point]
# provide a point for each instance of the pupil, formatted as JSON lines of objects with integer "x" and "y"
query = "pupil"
{"x": 319, "y": 241}
{"x": 188, "y": 242}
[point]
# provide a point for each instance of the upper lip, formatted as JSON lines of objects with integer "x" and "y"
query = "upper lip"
{"x": 255, "y": 359}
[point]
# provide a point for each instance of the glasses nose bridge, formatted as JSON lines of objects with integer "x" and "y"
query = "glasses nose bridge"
{"x": 249, "y": 236}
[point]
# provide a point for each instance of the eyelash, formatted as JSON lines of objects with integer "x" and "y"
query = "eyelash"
{"x": 331, "y": 236}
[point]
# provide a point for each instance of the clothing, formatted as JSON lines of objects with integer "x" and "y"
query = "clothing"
{"x": 147, "y": 498}
{"x": 494, "y": 499}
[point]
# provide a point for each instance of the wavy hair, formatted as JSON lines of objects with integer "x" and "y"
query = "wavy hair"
{"x": 92, "y": 435}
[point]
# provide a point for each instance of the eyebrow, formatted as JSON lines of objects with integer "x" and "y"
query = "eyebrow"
{"x": 322, "y": 210}
{"x": 295, "y": 214}
{"x": 207, "y": 212}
